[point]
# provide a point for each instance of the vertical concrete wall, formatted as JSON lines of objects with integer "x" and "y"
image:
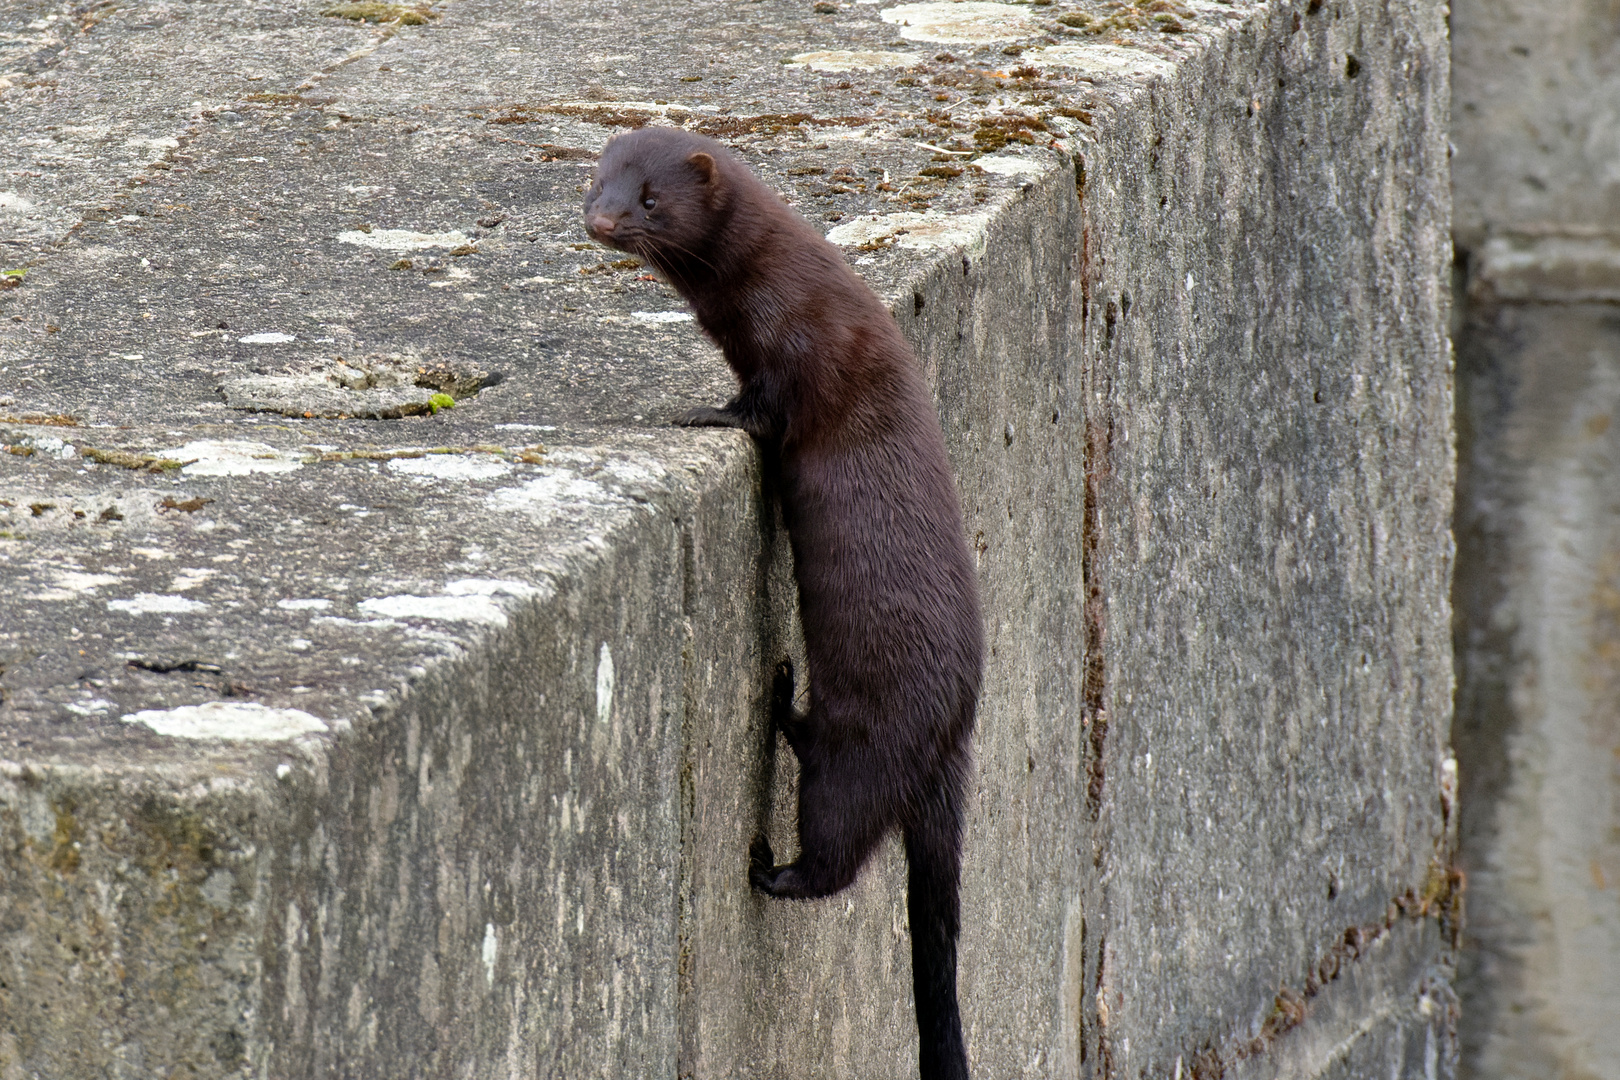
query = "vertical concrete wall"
{"x": 1537, "y": 172}
{"x": 1538, "y": 727}
{"x": 1270, "y": 465}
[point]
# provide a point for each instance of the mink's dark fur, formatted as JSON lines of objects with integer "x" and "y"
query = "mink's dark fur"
{"x": 887, "y": 591}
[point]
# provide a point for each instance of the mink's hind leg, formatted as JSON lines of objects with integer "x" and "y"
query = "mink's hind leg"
{"x": 840, "y": 824}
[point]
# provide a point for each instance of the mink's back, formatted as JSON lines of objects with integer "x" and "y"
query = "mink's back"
{"x": 887, "y": 590}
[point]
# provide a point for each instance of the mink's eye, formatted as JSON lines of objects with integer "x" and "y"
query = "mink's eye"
{"x": 649, "y": 203}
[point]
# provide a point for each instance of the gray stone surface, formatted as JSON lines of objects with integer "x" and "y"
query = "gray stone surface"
{"x": 1184, "y": 311}
{"x": 1274, "y": 546}
{"x": 1536, "y": 121}
{"x": 1538, "y": 722}
{"x": 1537, "y": 133}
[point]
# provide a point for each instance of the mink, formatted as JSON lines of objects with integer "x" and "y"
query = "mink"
{"x": 888, "y": 597}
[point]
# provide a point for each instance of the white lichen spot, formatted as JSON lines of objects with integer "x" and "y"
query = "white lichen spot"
{"x": 925, "y": 231}
{"x": 1098, "y": 60}
{"x": 93, "y": 707}
{"x": 661, "y": 316}
{"x": 337, "y": 620}
{"x": 162, "y": 142}
{"x": 232, "y": 721}
{"x": 1013, "y": 165}
{"x": 312, "y": 604}
{"x": 190, "y": 578}
{"x": 451, "y": 467}
{"x": 488, "y": 953}
{"x": 837, "y": 60}
{"x": 604, "y": 685}
{"x": 209, "y": 457}
{"x": 970, "y": 23}
{"x": 474, "y": 609}
{"x": 637, "y": 473}
{"x": 269, "y": 337}
{"x": 403, "y": 239}
{"x": 154, "y": 604}
{"x": 13, "y": 203}
{"x": 548, "y": 491}
{"x": 217, "y": 889}
{"x": 49, "y": 444}
{"x": 69, "y": 584}
{"x": 466, "y": 600}
{"x": 491, "y": 586}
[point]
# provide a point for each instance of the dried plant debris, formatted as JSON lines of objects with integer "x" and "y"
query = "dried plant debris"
{"x": 371, "y": 11}
{"x": 131, "y": 460}
{"x": 188, "y": 506}
{"x": 609, "y": 267}
{"x": 529, "y": 455}
{"x": 611, "y": 114}
{"x": 41, "y": 419}
{"x": 371, "y": 388}
{"x": 1139, "y": 16}
{"x": 995, "y": 132}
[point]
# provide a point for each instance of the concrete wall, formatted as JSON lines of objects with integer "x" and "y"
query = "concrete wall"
{"x": 1537, "y": 171}
{"x": 493, "y": 733}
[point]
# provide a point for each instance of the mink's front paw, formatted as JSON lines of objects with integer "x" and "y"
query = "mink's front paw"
{"x": 706, "y": 416}
{"x": 761, "y": 864}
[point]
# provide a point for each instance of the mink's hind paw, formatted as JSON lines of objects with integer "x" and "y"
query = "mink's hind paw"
{"x": 706, "y": 416}
{"x": 784, "y": 717}
{"x": 782, "y": 692}
{"x": 761, "y": 864}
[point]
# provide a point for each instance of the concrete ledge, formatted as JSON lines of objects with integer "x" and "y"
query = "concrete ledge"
{"x": 1184, "y": 308}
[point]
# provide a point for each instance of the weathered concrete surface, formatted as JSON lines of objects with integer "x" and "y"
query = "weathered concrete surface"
{"x": 1184, "y": 312}
{"x": 1537, "y": 169}
{"x": 438, "y": 877}
{"x": 1273, "y": 548}
{"x": 1539, "y": 715}
{"x": 1536, "y": 119}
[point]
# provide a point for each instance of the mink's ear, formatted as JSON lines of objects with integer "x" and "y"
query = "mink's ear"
{"x": 705, "y": 166}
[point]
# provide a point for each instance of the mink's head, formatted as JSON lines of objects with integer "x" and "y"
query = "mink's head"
{"x": 658, "y": 193}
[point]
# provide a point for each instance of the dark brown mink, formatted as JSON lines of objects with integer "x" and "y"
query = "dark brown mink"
{"x": 887, "y": 593}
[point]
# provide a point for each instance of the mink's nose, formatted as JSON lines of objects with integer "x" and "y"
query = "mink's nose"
{"x": 601, "y": 224}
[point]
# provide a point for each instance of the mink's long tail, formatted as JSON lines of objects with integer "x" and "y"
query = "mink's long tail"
{"x": 933, "y": 902}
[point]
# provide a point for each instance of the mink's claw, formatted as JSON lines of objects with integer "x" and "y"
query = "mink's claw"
{"x": 782, "y": 690}
{"x": 761, "y": 864}
{"x": 706, "y": 416}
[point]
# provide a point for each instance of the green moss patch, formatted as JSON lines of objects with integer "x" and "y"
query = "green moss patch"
{"x": 371, "y": 11}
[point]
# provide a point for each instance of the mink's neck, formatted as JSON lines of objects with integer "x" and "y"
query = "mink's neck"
{"x": 741, "y": 288}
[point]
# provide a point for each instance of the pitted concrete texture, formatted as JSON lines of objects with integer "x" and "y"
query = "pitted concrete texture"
{"x": 355, "y": 730}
